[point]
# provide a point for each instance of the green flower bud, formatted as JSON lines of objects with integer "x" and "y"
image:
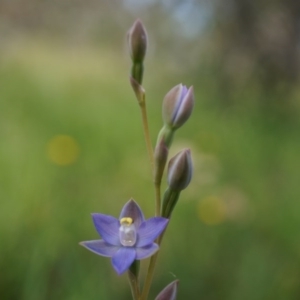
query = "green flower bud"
{"x": 160, "y": 158}
{"x": 169, "y": 202}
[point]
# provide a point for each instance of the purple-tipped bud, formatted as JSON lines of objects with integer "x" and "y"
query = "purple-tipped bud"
{"x": 169, "y": 292}
{"x": 178, "y": 105}
{"x": 137, "y": 41}
{"x": 180, "y": 170}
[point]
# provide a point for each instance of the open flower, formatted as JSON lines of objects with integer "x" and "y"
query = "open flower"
{"x": 128, "y": 238}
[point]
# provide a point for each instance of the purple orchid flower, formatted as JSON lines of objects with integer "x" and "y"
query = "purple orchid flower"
{"x": 128, "y": 238}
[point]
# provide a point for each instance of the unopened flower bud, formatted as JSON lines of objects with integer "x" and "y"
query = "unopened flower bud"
{"x": 180, "y": 170}
{"x": 178, "y": 105}
{"x": 137, "y": 41}
{"x": 169, "y": 292}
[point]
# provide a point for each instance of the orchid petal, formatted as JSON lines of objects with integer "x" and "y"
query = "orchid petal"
{"x": 147, "y": 251}
{"x": 150, "y": 230}
{"x": 108, "y": 228}
{"x": 178, "y": 102}
{"x": 171, "y": 103}
{"x": 100, "y": 247}
{"x": 123, "y": 259}
{"x": 185, "y": 107}
{"x": 133, "y": 211}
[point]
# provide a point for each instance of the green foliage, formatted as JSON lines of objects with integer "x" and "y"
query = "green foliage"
{"x": 240, "y": 215}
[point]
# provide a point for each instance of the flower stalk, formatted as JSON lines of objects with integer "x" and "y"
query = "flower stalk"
{"x": 147, "y": 132}
{"x": 131, "y": 238}
{"x": 133, "y": 275}
{"x": 137, "y": 44}
{"x": 150, "y": 271}
{"x": 169, "y": 201}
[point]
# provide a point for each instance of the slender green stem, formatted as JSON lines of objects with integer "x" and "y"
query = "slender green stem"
{"x": 134, "y": 285}
{"x": 141, "y": 97}
{"x": 140, "y": 94}
{"x": 150, "y": 273}
{"x": 137, "y": 72}
{"x": 149, "y": 277}
{"x": 146, "y": 132}
{"x": 157, "y": 200}
{"x": 139, "y": 91}
{"x": 142, "y": 104}
{"x": 172, "y": 197}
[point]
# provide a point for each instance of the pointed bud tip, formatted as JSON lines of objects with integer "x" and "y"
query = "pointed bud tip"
{"x": 169, "y": 292}
{"x": 138, "y": 22}
{"x": 137, "y": 41}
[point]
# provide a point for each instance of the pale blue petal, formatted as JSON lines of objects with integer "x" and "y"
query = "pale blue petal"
{"x": 108, "y": 228}
{"x": 150, "y": 230}
{"x": 123, "y": 259}
{"x": 132, "y": 210}
{"x": 147, "y": 251}
{"x": 100, "y": 247}
{"x": 185, "y": 107}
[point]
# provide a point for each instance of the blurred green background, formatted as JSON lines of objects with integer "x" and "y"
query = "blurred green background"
{"x": 72, "y": 144}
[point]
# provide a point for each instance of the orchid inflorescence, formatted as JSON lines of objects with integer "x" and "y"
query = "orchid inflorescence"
{"x": 130, "y": 238}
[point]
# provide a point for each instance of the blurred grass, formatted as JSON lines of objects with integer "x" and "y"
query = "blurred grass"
{"x": 235, "y": 233}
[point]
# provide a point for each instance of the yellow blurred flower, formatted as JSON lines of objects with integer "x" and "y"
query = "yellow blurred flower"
{"x": 212, "y": 210}
{"x": 63, "y": 150}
